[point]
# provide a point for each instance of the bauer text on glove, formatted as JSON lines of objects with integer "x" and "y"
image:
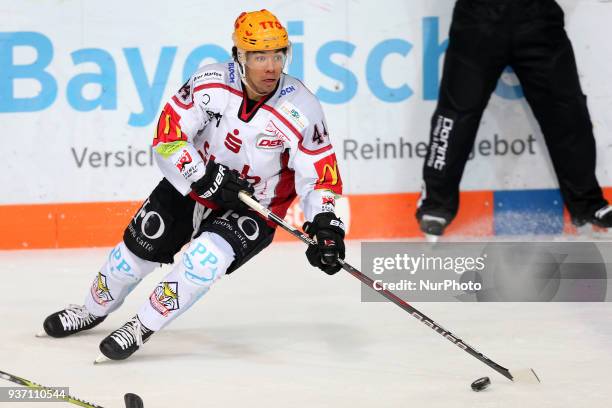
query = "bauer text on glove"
{"x": 221, "y": 185}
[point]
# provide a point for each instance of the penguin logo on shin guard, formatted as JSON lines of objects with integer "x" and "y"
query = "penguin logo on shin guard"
{"x": 164, "y": 298}
{"x": 99, "y": 290}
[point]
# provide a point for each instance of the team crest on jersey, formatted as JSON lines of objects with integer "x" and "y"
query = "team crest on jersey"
{"x": 293, "y": 114}
{"x": 164, "y": 298}
{"x": 99, "y": 290}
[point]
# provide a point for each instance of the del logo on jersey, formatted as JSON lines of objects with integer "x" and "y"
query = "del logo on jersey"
{"x": 269, "y": 142}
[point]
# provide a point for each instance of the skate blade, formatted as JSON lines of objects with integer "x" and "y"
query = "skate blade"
{"x": 432, "y": 238}
{"x": 41, "y": 334}
{"x": 101, "y": 359}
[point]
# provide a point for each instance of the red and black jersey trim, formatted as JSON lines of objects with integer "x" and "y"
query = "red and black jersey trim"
{"x": 246, "y": 114}
{"x": 271, "y": 110}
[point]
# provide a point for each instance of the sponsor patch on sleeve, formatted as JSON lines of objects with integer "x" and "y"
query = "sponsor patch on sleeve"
{"x": 208, "y": 76}
{"x": 168, "y": 127}
{"x": 293, "y": 114}
{"x": 329, "y": 176}
{"x": 166, "y": 150}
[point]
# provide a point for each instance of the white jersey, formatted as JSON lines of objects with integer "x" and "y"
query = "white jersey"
{"x": 281, "y": 145}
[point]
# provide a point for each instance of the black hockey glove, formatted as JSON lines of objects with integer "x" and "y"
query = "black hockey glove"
{"x": 221, "y": 186}
{"x": 329, "y": 231}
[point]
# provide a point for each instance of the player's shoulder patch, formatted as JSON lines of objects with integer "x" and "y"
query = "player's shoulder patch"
{"x": 303, "y": 110}
{"x": 292, "y": 90}
{"x": 294, "y": 115}
{"x": 212, "y": 73}
{"x": 206, "y": 77}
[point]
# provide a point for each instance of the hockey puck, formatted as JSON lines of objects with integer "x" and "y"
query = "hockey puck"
{"x": 481, "y": 384}
{"x": 133, "y": 401}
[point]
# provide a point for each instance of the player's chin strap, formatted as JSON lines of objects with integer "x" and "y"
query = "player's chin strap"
{"x": 516, "y": 376}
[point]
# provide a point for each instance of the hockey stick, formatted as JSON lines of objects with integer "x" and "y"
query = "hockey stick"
{"x": 131, "y": 400}
{"x": 33, "y": 385}
{"x": 527, "y": 375}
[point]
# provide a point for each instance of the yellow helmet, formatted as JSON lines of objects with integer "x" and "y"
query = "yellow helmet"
{"x": 259, "y": 31}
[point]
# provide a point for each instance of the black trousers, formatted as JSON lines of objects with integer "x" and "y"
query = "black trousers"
{"x": 528, "y": 35}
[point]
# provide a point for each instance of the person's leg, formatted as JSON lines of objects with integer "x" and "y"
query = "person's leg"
{"x": 119, "y": 275}
{"x": 205, "y": 260}
{"x": 474, "y": 61}
{"x": 226, "y": 240}
{"x": 544, "y": 61}
{"x": 158, "y": 230}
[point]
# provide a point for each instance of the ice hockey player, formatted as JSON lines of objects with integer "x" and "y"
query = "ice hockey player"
{"x": 239, "y": 125}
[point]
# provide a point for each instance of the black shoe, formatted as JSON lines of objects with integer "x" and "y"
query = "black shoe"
{"x": 124, "y": 341}
{"x": 602, "y": 218}
{"x": 71, "y": 320}
{"x": 432, "y": 225}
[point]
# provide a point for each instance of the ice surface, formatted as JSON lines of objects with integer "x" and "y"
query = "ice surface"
{"x": 278, "y": 333}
